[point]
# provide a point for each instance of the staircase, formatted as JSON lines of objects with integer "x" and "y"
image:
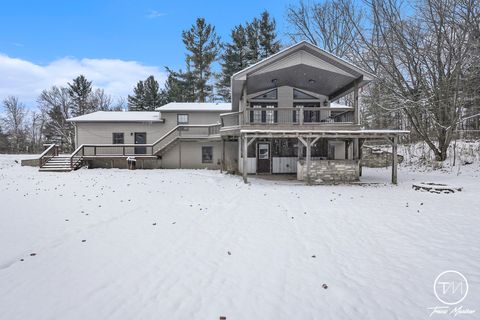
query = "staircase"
{"x": 60, "y": 164}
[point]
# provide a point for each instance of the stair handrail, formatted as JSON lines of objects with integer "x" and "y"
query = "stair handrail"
{"x": 81, "y": 148}
{"x": 45, "y": 156}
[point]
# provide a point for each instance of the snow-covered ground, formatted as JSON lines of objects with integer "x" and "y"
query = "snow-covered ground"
{"x": 196, "y": 244}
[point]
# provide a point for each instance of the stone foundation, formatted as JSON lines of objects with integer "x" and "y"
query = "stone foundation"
{"x": 329, "y": 171}
{"x": 377, "y": 158}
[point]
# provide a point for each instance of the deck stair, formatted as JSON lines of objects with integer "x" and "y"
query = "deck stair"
{"x": 60, "y": 164}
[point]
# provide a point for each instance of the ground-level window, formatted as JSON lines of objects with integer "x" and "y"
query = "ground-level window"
{"x": 117, "y": 138}
{"x": 182, "y": 118}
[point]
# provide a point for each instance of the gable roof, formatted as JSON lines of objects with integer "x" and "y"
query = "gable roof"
{"x": 303, "y": 66}
{"x": 196, "y": 106}
{"x": 119, "y": 116}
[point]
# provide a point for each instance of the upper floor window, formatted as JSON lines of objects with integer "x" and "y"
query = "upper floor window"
{"x": 297, "y": 94}
{"x": 269, "y": 95}
{"x": 118, "y": 138}
{"x": 182, "y": 118}
{"x": 263, "y": 113}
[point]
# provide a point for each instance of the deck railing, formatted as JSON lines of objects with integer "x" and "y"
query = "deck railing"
{"x": 300, "y": 115}
{"x": 288, "y": 116}
{"x": 153, "y": 149}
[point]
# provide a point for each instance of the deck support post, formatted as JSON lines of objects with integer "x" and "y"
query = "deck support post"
{"x": 222, "y": 168}
{"x": 356, "y": 112}
{"x": 309, "y": 159}
{"x": 244, "y": 158}
{"x": 394, "y": 160}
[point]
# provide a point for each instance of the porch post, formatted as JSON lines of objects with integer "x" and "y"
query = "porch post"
{"x": 360, "y": 152}
{"x": 244, "y": 157}
{"x": 394, "y": 160}
{"x": 355, "y": 104}
{"x": 222, "y": 168}
{"x": 308, "y": 160}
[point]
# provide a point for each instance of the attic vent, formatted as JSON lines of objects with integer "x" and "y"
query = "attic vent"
{"x": 297, "y": 94}
{"x": 270, "y": 95}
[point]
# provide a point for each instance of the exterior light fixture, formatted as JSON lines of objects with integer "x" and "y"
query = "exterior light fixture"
{"x": 311, "y": 81}
{"x": 274, "y": 81}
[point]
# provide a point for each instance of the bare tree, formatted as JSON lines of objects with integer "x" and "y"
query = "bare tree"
{"x": 99, "y": 100}
{"x": 327, "y": 24}
{"x": 14, "y": 122}
{"x": 422, "y": 59}
{"x": 57, "y": 104}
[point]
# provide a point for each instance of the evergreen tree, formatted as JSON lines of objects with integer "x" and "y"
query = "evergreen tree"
{"x": 4, "y": 146}
{"x": 146, "y": 96}
{"x": 178, "y": 87}
{"x": 137, "y": 101}
{"x": 233, "y": 60}
{"x": 80, "y": 90}
{"x": 267, "y": 36}
{"x": 249, "y": 44}
{"x": 253, "y": 41}
{"x": 202, "y": 43}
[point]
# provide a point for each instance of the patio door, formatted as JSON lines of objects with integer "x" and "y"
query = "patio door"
{"x": 263, "y": 157}
{"x": 140, "y": 138}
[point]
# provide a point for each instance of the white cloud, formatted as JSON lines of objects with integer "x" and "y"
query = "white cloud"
{"x": 27, "y": 80}
{"x": 155, "y": 14}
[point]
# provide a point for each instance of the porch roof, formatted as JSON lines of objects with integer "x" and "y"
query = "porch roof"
{"x": 361, "y": 133}
{"x": 304, "y": 66}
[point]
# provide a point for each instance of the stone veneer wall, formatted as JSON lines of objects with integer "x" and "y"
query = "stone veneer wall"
{"x": 377, "y": 158}
{"x": 329, "y": 171}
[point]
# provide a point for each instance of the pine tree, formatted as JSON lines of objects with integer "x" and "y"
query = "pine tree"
{"x": 253, "y": 41}
{"x": 146, "y": 95}
{"x": 267, "y": 37}
{"x": 233, "y": 60}
{"x": 80, "y": 90}
{"x": 178, "y": 87}
{"x": 137, "y": 101}
{"x": 202, "y": 43}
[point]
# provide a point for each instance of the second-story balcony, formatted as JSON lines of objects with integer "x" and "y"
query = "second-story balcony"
{"x": 295, "y": 117}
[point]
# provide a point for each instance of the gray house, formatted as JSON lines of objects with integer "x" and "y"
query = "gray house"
{"x": 283, "y": 118}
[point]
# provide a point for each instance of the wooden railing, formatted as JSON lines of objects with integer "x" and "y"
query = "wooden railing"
{"x": 153, "y": 149}
{"x": 288, "y": 116}
{"x": 50, "y": 152}
{"x": 231, "y": 119}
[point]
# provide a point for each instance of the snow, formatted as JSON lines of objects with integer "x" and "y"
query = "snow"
{"x": 119, "y": 116}
{"x": 157, "y": 245}
{"x": 196, "y": 106}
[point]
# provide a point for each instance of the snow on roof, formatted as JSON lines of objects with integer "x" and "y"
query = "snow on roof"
{"x": 196, "y": 106}
{"x": 119, "y": 116}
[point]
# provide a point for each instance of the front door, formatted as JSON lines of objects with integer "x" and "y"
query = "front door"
{"x": 140, "y": 138}
{"x": 263, "y": 157}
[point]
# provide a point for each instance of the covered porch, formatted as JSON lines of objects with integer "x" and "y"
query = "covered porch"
{"x": 315, "y": 156}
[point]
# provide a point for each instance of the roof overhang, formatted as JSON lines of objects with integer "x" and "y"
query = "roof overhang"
{"x": 303, "y": 66}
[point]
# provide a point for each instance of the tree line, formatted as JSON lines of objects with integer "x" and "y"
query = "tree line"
{"x": 425, "y": 55}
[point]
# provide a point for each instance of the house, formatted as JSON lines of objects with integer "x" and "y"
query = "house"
{"x": 284, "y": 118}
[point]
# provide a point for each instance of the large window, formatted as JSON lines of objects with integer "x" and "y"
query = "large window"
{"x": 117, "y": 138}
{"x": 182, "y": 118}
{"x": 207, "y": 154}
{"x": 310, "y": 112}
{"x": 263, "y": 113}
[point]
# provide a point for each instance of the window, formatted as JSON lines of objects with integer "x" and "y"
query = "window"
{"x": 270, "y": 95}
{"x": 182, "y": 118}
{"x": 263, "y": 113}
{"x": 297, "y": 94}
{"x": 117, "y": 138}
{"x": 207, "y": 154}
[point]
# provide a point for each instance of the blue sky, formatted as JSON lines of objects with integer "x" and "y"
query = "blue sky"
{"x": 65, "y": 37}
